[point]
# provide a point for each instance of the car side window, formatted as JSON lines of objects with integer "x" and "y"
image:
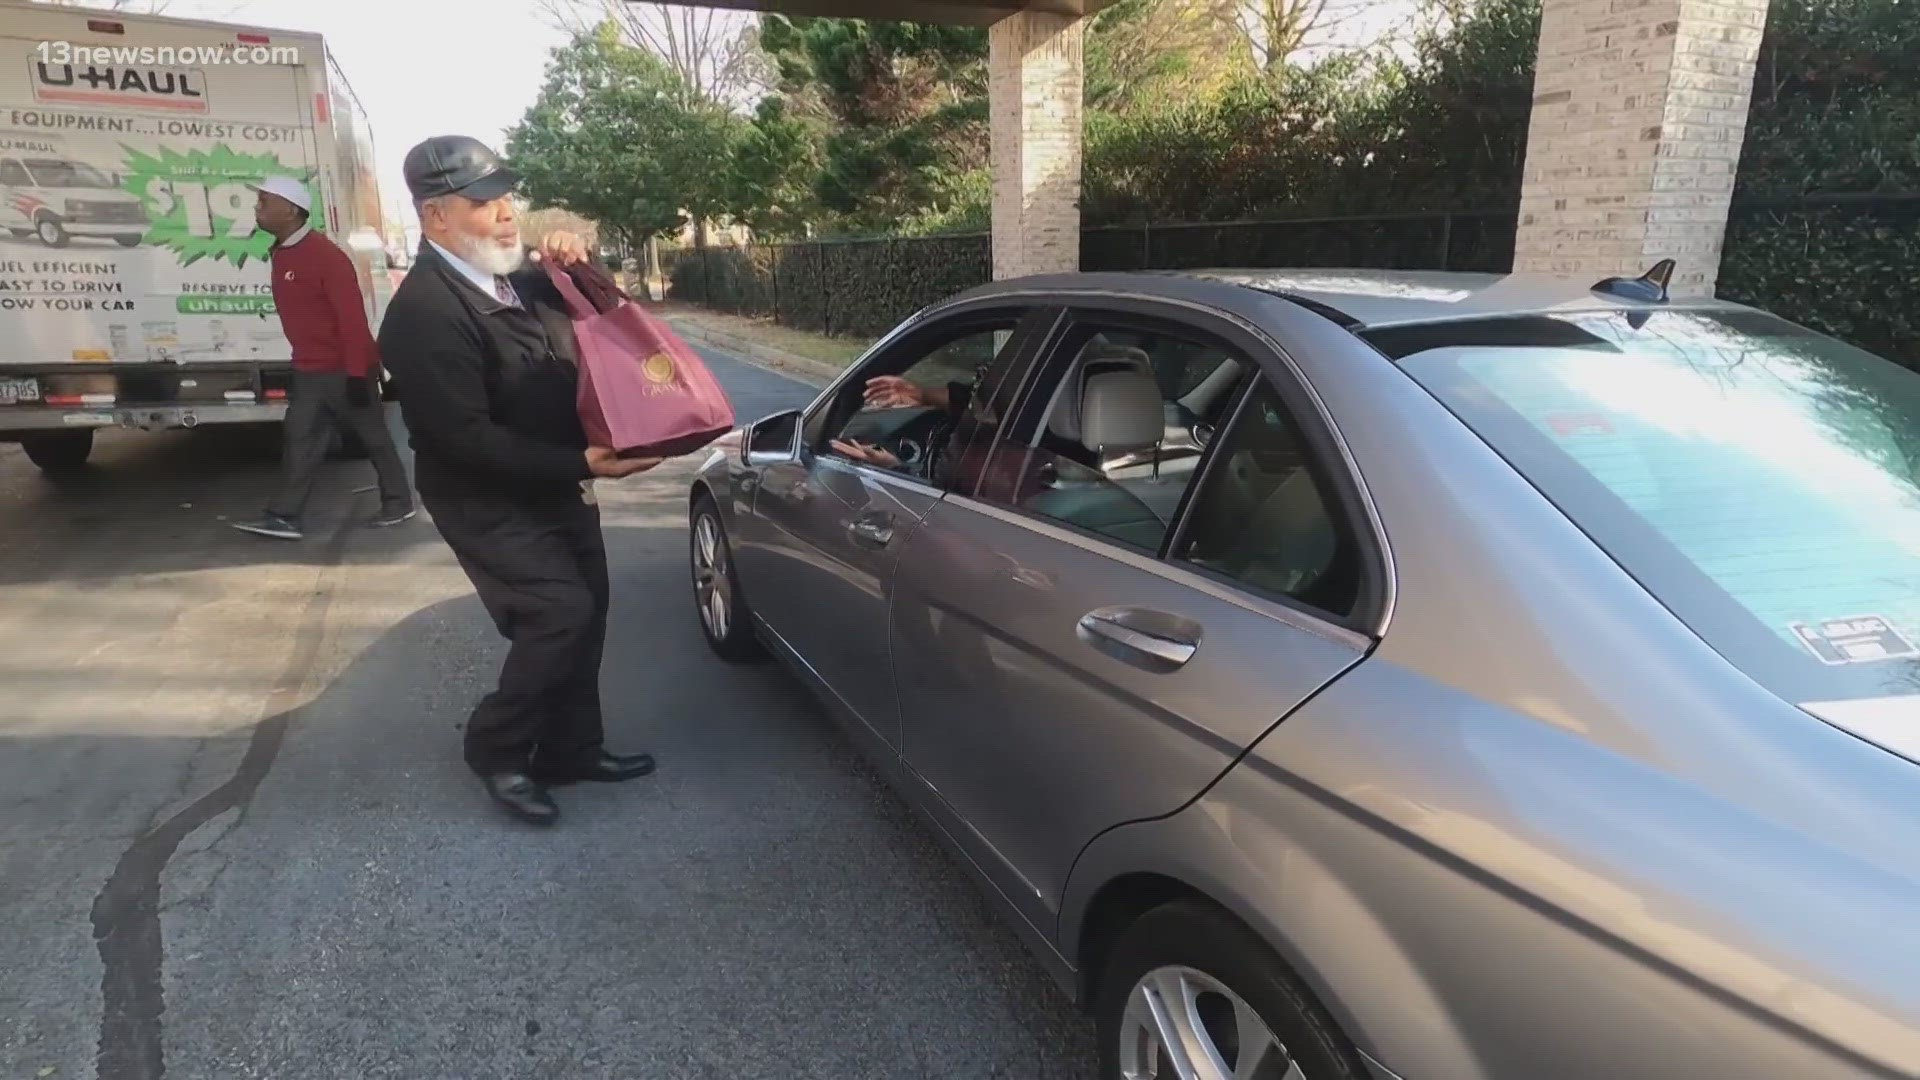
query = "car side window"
{"x": 906, "y": 422}
{"x": 1265, "y": 517}
{"x": 12, "y": 173}
{"x": 1125, "y": 421}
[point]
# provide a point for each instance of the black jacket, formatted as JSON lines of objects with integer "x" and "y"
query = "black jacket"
{"x": 487, "y": 389}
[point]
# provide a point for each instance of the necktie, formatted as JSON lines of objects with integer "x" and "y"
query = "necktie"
{"x": 505, "y": 292}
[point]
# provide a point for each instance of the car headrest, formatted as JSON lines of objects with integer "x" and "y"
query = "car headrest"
{"x": 1065, "y": 418}
{"x": 1121, "y": 411}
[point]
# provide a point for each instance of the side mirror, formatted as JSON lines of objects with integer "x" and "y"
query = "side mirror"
{"x": 771, "y": 439}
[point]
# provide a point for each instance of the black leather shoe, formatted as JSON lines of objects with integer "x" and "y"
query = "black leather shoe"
{"x": 600, "y": 765}
{"x": 523, "y": 797}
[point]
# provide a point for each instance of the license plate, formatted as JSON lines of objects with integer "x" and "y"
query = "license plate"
{"x": 15, "y": 391}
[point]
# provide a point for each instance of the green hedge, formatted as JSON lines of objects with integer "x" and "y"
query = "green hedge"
{"x": 861, "y": 287}
{"x": 1847, "y": 269}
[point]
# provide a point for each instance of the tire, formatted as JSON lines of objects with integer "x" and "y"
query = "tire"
{"x": 1190, "y": 947}
{"x": 127, "y": 241}
{"x": 717, "y": 600}
{"x": 59, "y": 455}
{"x": 51, "y": 232}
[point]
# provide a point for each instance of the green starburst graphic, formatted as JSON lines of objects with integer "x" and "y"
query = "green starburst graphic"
{"x": 199, "y": 203}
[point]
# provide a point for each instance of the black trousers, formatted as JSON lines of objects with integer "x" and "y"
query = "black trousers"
{"x": 542, "y": 575}
{"x": 317, "y": 405}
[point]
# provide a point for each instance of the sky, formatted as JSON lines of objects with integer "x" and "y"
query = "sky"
{"x": 394, "y": 53}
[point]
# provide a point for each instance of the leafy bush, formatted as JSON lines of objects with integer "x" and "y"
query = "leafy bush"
{"x": 834, "y": 287}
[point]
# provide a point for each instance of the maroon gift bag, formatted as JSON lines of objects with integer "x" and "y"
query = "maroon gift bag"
{"x": 643, "y": 391}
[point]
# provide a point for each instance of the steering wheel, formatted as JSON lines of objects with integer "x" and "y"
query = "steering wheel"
{"x": 909, "y": 450}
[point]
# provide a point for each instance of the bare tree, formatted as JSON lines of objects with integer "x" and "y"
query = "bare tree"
{"x": 535, "y": 223}
{"x": 1272, "y": 31}
{"x": 716, "y": 52}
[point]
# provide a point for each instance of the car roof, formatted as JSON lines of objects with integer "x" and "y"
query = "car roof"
{"x": 1360, "y": 298}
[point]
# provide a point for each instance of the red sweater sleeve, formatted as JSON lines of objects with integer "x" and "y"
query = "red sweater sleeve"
{"x": 359, "y": 354}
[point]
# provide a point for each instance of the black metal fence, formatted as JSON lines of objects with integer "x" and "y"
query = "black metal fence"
{"x": 1847, "y": 264}
{"x": 866, "y": 286}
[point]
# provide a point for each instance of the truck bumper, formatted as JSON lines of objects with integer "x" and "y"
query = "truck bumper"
{"x": 105, "y": 230}
{"x": 15, "y": 422}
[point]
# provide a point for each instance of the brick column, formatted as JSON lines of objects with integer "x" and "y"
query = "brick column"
{"x": 1639, "y": 111}
{"x": 1034, "y": 92}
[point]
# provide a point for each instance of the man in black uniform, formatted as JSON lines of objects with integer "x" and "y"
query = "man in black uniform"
{"x": 483, "y": 357}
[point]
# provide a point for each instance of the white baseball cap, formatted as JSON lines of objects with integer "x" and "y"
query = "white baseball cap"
{"x": 287, "y": 188}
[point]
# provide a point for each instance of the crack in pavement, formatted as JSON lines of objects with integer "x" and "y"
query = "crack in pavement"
{"x": 126, "y": 913}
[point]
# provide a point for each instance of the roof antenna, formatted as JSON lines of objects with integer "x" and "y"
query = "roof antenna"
{"x": 1649, "y": 288}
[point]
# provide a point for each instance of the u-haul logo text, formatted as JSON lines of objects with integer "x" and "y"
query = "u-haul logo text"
{"x": 126, "y": 85}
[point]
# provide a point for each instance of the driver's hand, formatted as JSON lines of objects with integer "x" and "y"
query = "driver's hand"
{"x": 872, "y": 455}
{"x": 893, "y": 392}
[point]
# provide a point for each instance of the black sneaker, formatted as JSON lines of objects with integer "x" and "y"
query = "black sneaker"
{"x": 271, "y": 525}
{"x": 389, "y": 518}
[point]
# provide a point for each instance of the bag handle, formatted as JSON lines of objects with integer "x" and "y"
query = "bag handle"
{"x": 577, "y": 304}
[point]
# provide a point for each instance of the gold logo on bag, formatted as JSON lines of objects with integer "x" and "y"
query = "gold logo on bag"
{"x": 658, "y": 368}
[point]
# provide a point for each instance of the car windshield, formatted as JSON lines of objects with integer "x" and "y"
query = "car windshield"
{"x": 48, "y": 172}
{"x": 1758, "y": 478}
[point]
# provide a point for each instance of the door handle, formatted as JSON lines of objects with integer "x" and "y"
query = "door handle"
{"x": 1108, "y": 628}
{"x": 869, "y": 529}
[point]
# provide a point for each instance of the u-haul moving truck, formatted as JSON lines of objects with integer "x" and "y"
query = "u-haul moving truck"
{"x": 134, "y": 290}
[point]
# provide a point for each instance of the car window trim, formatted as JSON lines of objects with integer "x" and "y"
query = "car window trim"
{"x": 1034, "y": 320}
{"x": 1055, "y": 354}
{"x": 876, "y": 474}
{"x": 1040, "y": 344}
{"x": 1298, "y": 616}
{"x": 1316, "y": 468}
{"x": 1323, "y": 441}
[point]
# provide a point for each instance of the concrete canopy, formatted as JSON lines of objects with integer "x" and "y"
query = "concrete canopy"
{"x": 954, "y": 12}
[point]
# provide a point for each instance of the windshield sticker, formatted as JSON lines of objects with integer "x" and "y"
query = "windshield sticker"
{"x": 1865, "y": 639}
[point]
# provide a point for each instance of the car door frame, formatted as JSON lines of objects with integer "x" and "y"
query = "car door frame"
{"x": 1328, "y": 450}
{"x": 1033, "y": 327}
{"x": 1273, "y": 363}
{"x": 1046, "y": 316}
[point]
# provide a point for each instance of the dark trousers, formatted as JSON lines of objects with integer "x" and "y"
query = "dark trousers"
{"x": 317, "y": 406}
{"x": 542, "y": 575}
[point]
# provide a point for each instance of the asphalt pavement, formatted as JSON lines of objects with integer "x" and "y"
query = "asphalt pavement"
{"x": 237, "y": 840}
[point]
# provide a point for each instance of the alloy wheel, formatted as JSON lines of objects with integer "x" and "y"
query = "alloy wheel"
{"x": 1183, "y": 1024}
{"x": 711, "y": 585}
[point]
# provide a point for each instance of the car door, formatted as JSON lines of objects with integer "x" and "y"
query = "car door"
{"x": 1090, "y": 637}
{"x": 817, "y": 552}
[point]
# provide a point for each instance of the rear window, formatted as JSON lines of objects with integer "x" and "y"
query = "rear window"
{"x": 1758, "y": 478}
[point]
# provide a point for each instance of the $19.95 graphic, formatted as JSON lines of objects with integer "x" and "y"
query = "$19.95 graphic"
{"x": 200, "y": 203}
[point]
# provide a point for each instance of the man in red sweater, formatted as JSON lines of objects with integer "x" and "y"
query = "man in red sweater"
{"x": 335, "y": 363}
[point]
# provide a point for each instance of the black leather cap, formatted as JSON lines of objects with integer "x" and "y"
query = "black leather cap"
{"x": 457, "y": 165}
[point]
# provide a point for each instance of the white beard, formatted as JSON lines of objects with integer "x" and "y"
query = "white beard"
{"x": 490, "y": 257}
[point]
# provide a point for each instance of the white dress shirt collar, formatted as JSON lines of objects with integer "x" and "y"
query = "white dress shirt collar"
{"x": 480, "y": 278}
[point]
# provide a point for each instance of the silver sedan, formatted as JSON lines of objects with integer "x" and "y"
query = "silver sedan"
{"x": 1356, "y": 674}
